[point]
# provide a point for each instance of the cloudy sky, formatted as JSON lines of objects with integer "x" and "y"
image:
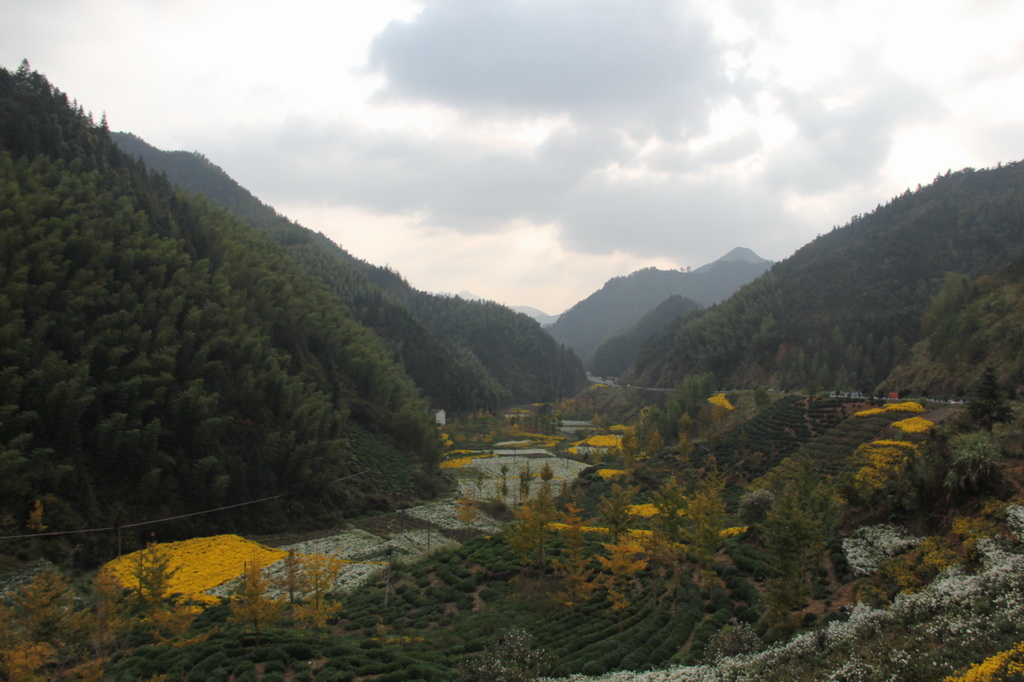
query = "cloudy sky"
{"x": 529, "y": 150}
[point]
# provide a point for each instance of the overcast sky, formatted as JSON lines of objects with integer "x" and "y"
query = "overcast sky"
{"x": 529, "y": 150}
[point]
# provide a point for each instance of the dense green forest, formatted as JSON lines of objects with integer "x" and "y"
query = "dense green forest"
{"x": 614, "y": 355}
{"x": 160, "y": 357}
{"x": 970, "y": 325}
{"x": 845, "y": 309}
{"x": 462, "y": 354}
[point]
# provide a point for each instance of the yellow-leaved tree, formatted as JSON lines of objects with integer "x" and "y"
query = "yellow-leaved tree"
{"x": 252, "y": 605}
{"x": 625, "y": 559}
{"x": 321, "y": 573}
{"x": 574, "y": 569}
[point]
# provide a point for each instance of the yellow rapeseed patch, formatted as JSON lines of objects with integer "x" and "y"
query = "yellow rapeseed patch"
{"x": 1005, "y": 665}
{"x": 604, "y": 441}
{"x": 719, "y": 400}
{"x": 883, "y": 460}
{"x": 456, "y": 463}
{"x": 644, "y": 510}
{"x": 914, "y": 425}
{"x": 909, "y": 406}
{"x": 868, "y": 413}
{"x": 199, "y": 564}
{"x": 732, "y": 532}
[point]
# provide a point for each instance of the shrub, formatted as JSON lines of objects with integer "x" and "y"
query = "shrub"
{"x": 300, "y": 651}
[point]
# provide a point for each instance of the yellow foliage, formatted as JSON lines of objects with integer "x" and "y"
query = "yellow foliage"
{"x": 909, "y": 406}
{"x": 733, "y": 532}
{"x": 971, "y": 529}
{"x": 868, "y": 413}
{"x": 644, "y": 510}
{"x": 914, "y": 425}
{"x": 23, "y": 659}
{"x": 1005, "y": 665}
{"x": 199, "y": 564}
{"x": 562, "y": 527}
{"x": 608, "y": 474}
{"x": 604, "y": 441}
{"x": 457, "y": 463}
{"x": 884, "y": 459}
{"x": 719, "y": 400}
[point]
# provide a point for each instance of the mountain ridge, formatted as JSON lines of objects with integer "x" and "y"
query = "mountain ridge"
{"x": 441, "y": 340}
{"x": 623, "y": 300}
{"x": 843, "y": 310}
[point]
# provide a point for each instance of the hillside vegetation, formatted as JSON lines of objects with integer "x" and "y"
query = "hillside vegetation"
{"x": 160, "y": 357}
{"x": 170, "y": 373}
{"x": 464, "y": 355}
{"x": 844, "y": 310}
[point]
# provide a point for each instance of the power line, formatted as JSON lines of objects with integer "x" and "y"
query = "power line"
{"x": 166, "y": 518}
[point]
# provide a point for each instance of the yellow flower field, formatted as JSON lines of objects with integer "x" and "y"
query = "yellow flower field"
{"x": 1006, "y": 665}
{"x": 914, "y": 425}
{"x": 199, "y": 564}
{"x": 719, "y": 400}
{"x": 732, "y": 532}
{"x": 905, "y": 407}
{"x": 604, "y": 441}
{"x": 456, "y": 463}
{"x": 644, "y": 510}
{"x": 868, "y": 413}
{"x": 883, "y": 460}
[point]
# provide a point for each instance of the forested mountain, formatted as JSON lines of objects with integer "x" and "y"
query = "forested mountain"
{"x": 448, "y": 345}
{"x": 844, "y": 310}
{"x": 159, "y": 357}
{"x": 622, "y": 301}
{"x": 612, "y": 357}
{"x": 970, "y": 325}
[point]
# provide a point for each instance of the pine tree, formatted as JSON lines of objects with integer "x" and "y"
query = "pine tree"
{"x": 615, "y": 510}
{"x": 989, "y": 405}
{"x": 704, "y": 515}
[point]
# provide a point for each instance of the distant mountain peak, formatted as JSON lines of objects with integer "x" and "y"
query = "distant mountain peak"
{"x": 744, "y": 254}
{"x": 740, "y": 254}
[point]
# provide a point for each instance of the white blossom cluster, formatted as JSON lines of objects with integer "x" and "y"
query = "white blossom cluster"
{"x": 481, "y": 480}
{"x": 1015, "y": 520}
{"x": 869, "y": 547}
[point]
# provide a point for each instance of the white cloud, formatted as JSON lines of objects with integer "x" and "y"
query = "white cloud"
{"x": 547, "y": 145}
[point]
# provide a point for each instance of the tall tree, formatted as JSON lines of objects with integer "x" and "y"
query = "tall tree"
{"x": 253, "y": 606}
{"x": 988, "y": 405}
{"x": 574, "y": 569}
{"x": 614, "y": 510}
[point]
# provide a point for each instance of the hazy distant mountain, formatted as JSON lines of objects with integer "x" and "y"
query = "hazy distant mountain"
{"x": 612, "y": 357}
{"x": 538, "y": 315}
{"x": 622, "y": 301}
